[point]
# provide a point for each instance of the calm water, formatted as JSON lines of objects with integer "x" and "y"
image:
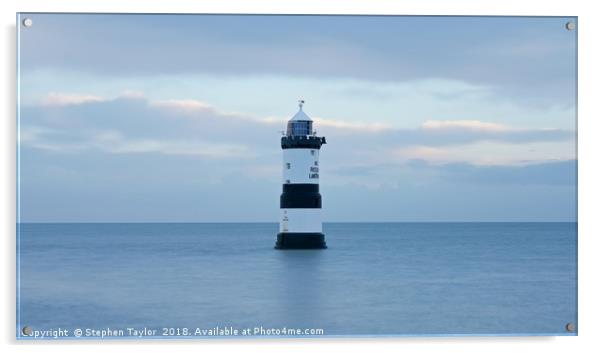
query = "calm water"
{"x": 374, "y": 279}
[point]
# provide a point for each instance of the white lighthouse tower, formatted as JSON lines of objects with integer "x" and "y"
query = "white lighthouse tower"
{"x": 301, "y": 202}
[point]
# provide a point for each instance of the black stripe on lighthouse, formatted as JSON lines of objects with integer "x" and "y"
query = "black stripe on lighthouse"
{"x": 300, "y": 196}
{"x": 300, "y": 241}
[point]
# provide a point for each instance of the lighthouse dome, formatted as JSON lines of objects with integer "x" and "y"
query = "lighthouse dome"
{"x": 301, "y": 116}
{"x": 300, "y": 124}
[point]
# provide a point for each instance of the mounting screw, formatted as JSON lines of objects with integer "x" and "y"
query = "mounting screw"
{"x": 570, "y": 26}
{"x": 570, "y": 327}
{"x": 28, "y": 22}
{"x": 26, "y": 330}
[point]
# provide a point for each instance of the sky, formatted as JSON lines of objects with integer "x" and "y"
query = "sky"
{"x": 178, "y": 118}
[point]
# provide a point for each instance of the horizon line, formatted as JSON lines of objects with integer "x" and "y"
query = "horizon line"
{"x": 263, "y": 222}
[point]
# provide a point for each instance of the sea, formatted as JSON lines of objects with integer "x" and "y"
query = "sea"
{"x": 226, "y": 280}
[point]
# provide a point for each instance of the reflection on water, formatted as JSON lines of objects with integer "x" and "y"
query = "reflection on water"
{"x": 300, "y": 297}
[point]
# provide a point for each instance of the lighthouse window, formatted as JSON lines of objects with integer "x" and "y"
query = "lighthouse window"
{"x": 298, "y": 128}
{"x": 288, "y": 166}
{"x": 313, "y": 152}
{"x": 288, "y": 181}
{"x": 315, "y": 162}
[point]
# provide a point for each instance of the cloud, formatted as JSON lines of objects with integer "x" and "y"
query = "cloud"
{"x": 183, "y": 105}
{"x": 131, "y": 94}
{"x": 139, "y": 155}
{"x": 332, "y": 125}
{"x": 523, "y": 51}
{"x": 425, "y": 153}
{"x": 183, "y": 148}
{"x": 61, "y": 99}
{"x": 114, "y": 142}
{"x": 432, "y": 131}
{"x": 550, "y": 173}
{"x": 422, "y": 172}
{"x": 29, "y": 133}
{"x": 459, "y": 131}
{"x": 132, "y": 124}
{"x": 463, "y": 132}
{"x": 464, "y": 125}
{"x": 488, "y": 153}
{"x": 129, "y": 124}
{"x": 346, "y": 126}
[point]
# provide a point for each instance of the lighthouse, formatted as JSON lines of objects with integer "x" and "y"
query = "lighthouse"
{"x": 301, "y": 202}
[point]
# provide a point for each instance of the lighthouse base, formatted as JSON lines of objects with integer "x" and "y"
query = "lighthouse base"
{"x": 300, "y": 241}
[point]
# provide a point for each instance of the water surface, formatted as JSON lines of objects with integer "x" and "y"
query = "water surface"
{"x": 374, "y": 279}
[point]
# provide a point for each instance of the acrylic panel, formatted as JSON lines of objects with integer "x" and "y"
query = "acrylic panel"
{"x": 194, "y": 176}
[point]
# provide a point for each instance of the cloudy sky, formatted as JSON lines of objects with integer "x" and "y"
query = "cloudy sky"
{"x": 178, "y": 118}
